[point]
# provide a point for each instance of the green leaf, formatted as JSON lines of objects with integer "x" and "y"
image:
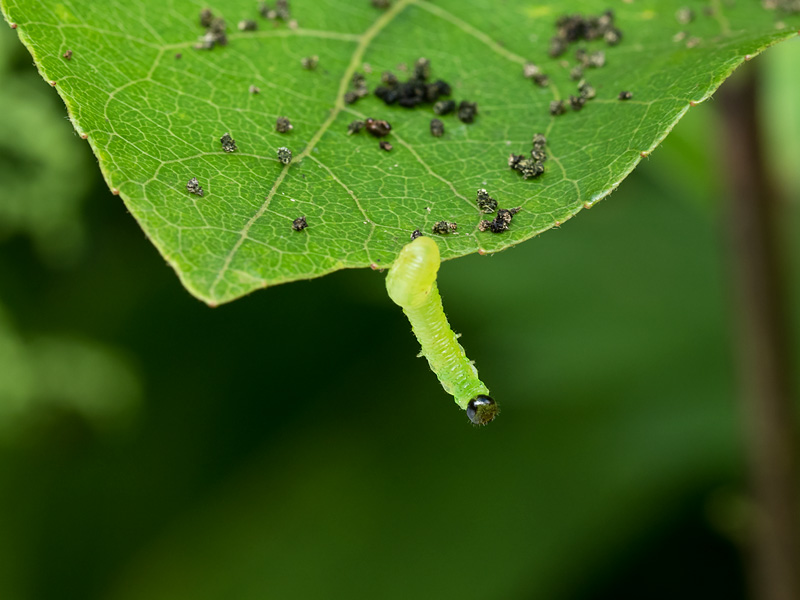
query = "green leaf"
{"x": 154, "y": 121}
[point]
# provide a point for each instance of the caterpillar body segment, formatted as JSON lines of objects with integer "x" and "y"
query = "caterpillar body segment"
{"x": 411, "y": 284}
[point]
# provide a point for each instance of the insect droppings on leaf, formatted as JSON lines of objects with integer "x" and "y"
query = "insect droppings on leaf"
{"x": 283, "y": 125}
{"x": 557, "y": 46}
{"x": 389, "y": 95}
{"x": 381, "y": 4}
{"x": 390, "y": 79}
{"x": 384, "y": 145}
{"x": 596, "y": 59}
{"x": 444, "y": 227}
{"x": 68, "y": 55}
{"x": 577, "y": 102}
{"x": 247, "y": 25}
{"x": 530, "y": 70}
{"x": 436, "y": 89}
{"x": 486, "y": 203}
{"x": 514, "y": 160}
{"x": 437, "y": 128}
{"x": 541, "y": 80}
{"x": 625, "y": 95}
{"x": 613, "y": 37}
{"x": 444, "y": 107}
{"x": 586, "y": 90}
{"x": 590, "y": 60}
{"x": 417, "y": 90}
{"x": 299, "y": 224}
{"x": 467, "y": 111}
{"x": 501, "y": 222}
{"x": 206, "y": 43}
{"x": 359, "y": 82}
{"x": 309, "y": 63}
{"x": 215, "y": 31}
{"x": 281, "y": 11}
{"x": 422, "y": 69}
{"x": 571, "y": 28}
{"x": 378, "y": 127}
{"x": 355, "y": 127}
{"x": 194, "y": 187}
{"x": 415, "y": 234}
{"x": 178, "y": 56}
{"x": 206, "y": 16}
{"x": 557, "y": 108}
{"x": 684, "y": 15}
{"x": 254, "y": 90}
{"x": 284, "y": 155}
{"x": 531, "y": 167}
{"x": 228, "y": 143}
{"x": 506, "y": 215}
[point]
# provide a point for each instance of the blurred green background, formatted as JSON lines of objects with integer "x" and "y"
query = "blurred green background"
{"x": 290, "y": 445}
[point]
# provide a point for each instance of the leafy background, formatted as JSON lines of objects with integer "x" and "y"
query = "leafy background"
{"x": 290, "y": 446}
{"x": 154, "y": 121}
{"x": 287, "y": 447}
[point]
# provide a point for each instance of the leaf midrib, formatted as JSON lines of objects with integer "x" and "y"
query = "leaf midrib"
{"x": 358, "y": 55}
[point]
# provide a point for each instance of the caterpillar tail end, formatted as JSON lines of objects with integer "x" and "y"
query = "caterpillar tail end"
{"x": 482, "y": 410}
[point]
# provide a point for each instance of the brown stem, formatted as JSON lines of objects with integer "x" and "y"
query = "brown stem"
{"x": 764, "y": 357}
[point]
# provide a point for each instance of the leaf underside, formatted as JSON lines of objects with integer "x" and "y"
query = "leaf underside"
{"x": 154, "y": 120}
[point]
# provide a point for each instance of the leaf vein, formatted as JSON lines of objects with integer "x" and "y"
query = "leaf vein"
{"x": 364, "y": 41}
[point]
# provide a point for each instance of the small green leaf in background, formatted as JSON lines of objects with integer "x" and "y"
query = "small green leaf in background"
{"x": 41, "y": 176}
{"x": 55, "y": 372}
{"x": 154, "y": 120}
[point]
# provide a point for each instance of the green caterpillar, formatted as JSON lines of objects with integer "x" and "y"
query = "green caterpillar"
{"x": 411, "y": 284}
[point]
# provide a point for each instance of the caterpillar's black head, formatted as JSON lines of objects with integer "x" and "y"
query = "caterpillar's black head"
{"x": 482, "y": 409}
